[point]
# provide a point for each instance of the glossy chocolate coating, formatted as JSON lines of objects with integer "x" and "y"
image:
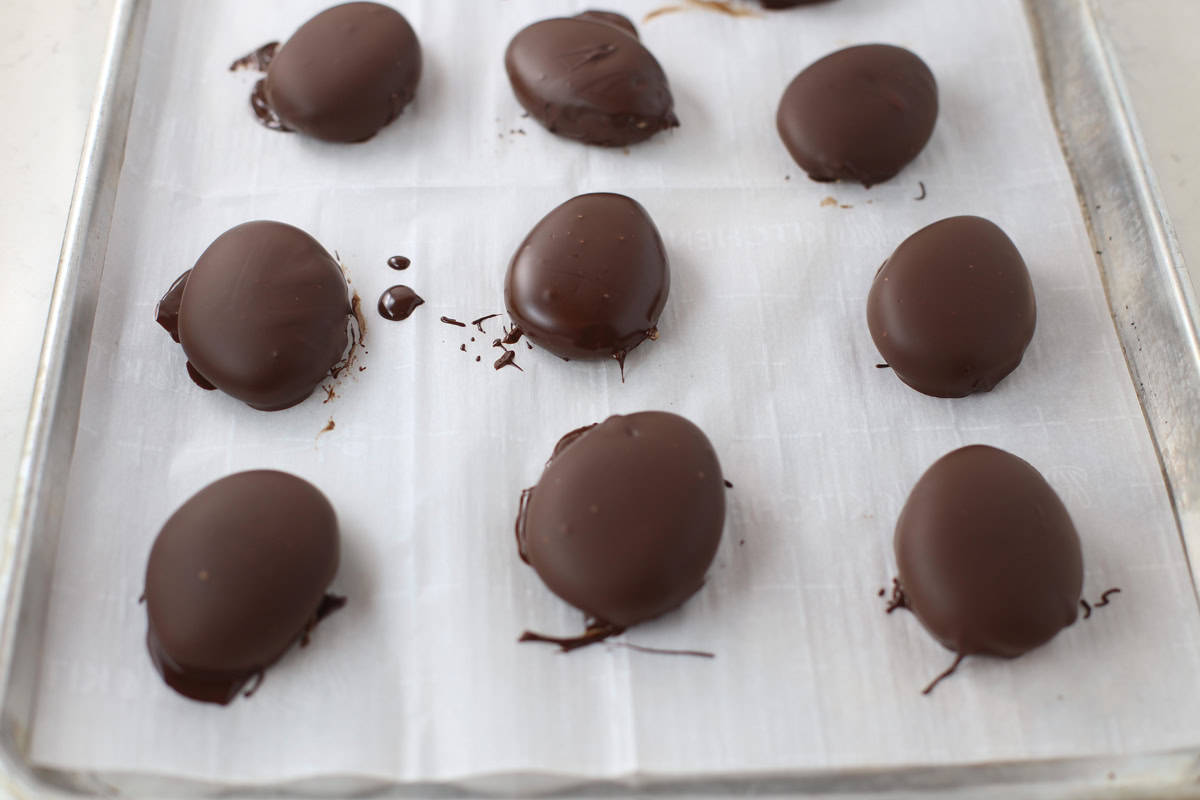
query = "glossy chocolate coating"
{"x": 989, "y": 560}
{"x": 399, "y": 302}
{"x": 591, "y": 279}
{"x": 587, "y": 78}
{"x": 345, "y": 73}
{"x": 166, "y": 311}
{"x": 264, "y": 314}
{"x": 952, "y": 310}
{"x": 235, "y": 577}
{"x": 859, "y": 114}
{"x": 626, "y": 517}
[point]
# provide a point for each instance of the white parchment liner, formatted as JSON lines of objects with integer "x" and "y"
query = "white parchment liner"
{"x": 764, "y": 345}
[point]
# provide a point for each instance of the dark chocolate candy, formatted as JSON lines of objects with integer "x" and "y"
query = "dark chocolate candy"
{"x": 236, "y": 576}
{"x": 989, "y": 560}
{"x": 859, "y": 114}
{"x": 263, "y": 316}
{"x": 591, "y": 279}
{"x": 588, "y": 78}
{"x": 345, "y": 73}
{"x": 626, "y": 517}
{"x": 952, "y": 310}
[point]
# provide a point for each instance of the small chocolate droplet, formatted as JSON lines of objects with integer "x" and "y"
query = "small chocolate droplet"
{"x": 398, "y": 303}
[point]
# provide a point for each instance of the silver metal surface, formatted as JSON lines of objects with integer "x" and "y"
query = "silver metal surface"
{"x": 1153, "y": 310}
{"x": 31, "y": 534}
{"x": 1149, "y": 293}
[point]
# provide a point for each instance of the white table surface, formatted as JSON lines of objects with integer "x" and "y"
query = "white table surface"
{"x": 50, "y": 52}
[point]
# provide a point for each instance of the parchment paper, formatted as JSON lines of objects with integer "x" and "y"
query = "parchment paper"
{"x": 764, "y": 344}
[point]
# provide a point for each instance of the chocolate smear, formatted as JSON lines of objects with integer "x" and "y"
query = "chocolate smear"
{"x": 508, "y": 359}
{"x": 398, "y": 303}
{"x": 945, "y": 674}
{"x": 263, "y": 111}
{"x": 596, "y": 632}
{"x": 258, "y": 60}
{"x": 478, "y": 323}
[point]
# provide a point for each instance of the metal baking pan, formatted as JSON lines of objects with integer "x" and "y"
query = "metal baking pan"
{"x": 1139, "y": 263}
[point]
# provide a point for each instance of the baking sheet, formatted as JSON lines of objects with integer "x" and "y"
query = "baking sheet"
{"x": 764, "y": 345}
